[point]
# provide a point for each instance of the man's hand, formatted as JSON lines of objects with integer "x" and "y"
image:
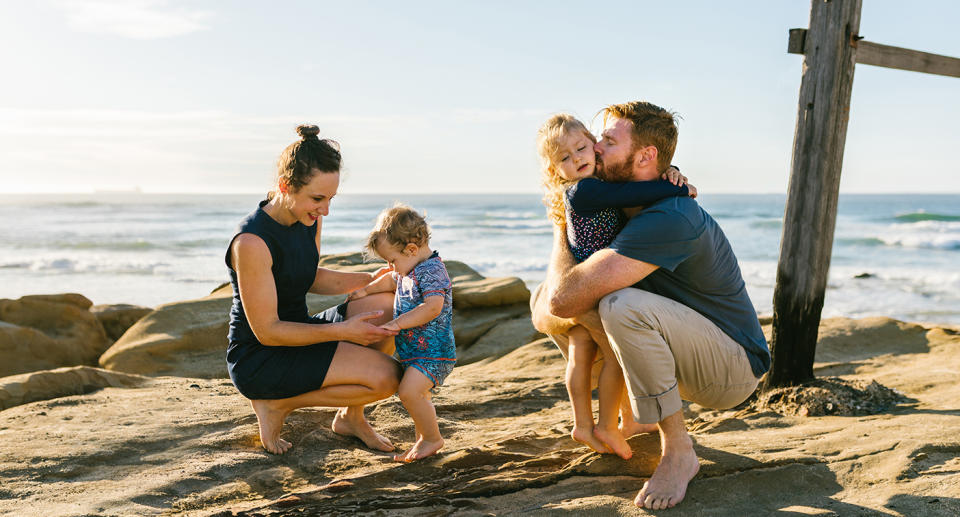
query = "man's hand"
{"x": 358, "y": 330}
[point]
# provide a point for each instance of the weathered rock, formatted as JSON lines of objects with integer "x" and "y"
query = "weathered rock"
{"x": 186, "y": 339}
{"x": 469, "y": 325}
{"x": 489, "y": 292}
{"x": 48, "y": 331}
{"x": 61, "y": 382}
{"x": 502, "y": 339}
{"x": 117, "y": 318}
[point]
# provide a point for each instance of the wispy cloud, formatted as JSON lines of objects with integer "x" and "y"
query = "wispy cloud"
{"x": 136, "y": 19}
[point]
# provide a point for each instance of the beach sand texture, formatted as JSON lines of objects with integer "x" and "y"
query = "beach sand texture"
{"x": 120, "y": 443}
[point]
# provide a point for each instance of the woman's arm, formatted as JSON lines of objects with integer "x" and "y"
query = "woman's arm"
{"x": 426, "y": 311}
{"x": 252, "y": 262}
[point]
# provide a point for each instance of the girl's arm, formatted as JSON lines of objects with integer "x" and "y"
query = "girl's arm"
{"x": 384, "y": 284}
{"x": 426, "y": 311}
{"x": 591, "y": 194}
{"x": 251, "y": 259}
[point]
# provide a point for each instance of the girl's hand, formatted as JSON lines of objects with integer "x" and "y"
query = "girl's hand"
{"x": 672, "y": 174}
{"x": 392, "y": 326}
{"x": 693, "y": 190}
{"x": 359, "y": 330}
{"x": 356, "y": 295}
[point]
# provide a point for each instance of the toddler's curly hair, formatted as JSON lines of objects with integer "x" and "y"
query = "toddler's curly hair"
{"x": 398, "y": 226}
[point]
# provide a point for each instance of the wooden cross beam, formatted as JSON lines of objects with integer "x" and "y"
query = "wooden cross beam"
{"x": 831, "y": 47}
{"x": 869, "y": 53}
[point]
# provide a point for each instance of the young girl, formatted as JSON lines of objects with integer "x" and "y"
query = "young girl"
{"x": 423, "y": 316}
{"x": 589, "y": 211}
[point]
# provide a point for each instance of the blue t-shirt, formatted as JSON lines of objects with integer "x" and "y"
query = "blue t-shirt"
{"x": 697, "y": 268}
{"x": 434, "y": 339}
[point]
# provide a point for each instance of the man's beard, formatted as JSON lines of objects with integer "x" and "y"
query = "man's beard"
{"x": 616, "y": 172}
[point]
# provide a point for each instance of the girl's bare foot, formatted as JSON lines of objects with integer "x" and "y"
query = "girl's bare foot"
{"x": 270, "y": 419}
{"x": 614, "y": 441}
{"x": 586, "y": 437}
{"x": 420, "y": 450}
{"x": 360, "y": 428}
{"x": 631, "y": 427}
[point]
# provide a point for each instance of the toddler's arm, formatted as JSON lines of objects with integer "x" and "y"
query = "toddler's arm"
{"x": 383, "y": 284}
{"x": 426, "y": 311}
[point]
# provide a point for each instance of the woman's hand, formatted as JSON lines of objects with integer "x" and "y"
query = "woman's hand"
{"x": 359, "y": 330}
{"x": 672, "y": 174}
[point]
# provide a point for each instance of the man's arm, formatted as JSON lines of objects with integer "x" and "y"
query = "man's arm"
{"x": 560, "y": 259}
{"x": 578, "y": 288}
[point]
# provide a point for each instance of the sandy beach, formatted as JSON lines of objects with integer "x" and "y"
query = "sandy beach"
{"x": 149, "y": 424}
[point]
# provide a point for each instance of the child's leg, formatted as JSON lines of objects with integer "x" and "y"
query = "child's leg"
{"x": 582, "y": 351}
{"x": 611, "y": 390}
{"x": 414, "y": 393}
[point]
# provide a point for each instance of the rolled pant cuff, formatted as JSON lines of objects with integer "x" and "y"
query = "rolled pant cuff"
{"x": 654, "y": 408}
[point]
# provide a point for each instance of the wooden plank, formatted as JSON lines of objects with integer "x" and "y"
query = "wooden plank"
{"x": 811, "y": 210}
{"x": 875, "y": 54}
{"x": 869, "y": 53}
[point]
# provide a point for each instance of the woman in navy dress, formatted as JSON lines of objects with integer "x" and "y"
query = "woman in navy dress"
{"x": 279, "y": 356}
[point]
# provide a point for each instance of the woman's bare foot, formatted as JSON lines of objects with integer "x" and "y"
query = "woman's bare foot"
{"x": 614, "y": 441}
{"x": 360, "y": 428}
{"x": 420, "y": 450}
{"x": 270, "y": 419}
{"x": 668, "y": 485}
{"x": 631, "y": 427}
{"x": 586, "y": 437}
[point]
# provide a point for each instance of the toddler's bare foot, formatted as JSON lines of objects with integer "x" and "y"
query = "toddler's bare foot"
{"x": 270, "y": 419}
{"x": 360, "y": 428}
{"x": 614, "y": 441}
{"x": 420, "y": 450}
{"x": 586, "y": 437}
{"x": 631, "y": 427}
{"x": 668, "y": 485}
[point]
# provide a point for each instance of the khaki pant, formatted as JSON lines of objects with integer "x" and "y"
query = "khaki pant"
{"x": 669, "y": 352}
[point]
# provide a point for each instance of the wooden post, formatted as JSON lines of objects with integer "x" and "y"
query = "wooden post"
{"x": 807, "y": 241}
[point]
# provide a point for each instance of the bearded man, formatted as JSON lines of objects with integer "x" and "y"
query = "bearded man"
{"x": 670, "y": 296}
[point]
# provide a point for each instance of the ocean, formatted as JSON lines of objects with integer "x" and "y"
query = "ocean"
{"x": 150, "y": 249}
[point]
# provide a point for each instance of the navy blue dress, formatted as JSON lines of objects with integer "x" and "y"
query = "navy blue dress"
{"x": 277, "y": 372}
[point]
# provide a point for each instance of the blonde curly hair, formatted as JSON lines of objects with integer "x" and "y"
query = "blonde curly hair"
{"x": 549, "y": 137}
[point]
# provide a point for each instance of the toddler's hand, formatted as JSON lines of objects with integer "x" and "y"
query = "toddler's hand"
{"x": 673, "y": 175}
{"x": 356, "y": 295}
{"x": 385, "y": 270}
{"x": 692, "y": 189}
{"x": 391, "y": 326}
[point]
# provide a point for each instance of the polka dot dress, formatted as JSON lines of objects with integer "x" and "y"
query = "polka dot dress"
{"x": 587, "y": 235}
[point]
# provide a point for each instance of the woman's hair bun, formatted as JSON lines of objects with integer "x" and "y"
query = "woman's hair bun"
{"x": 306, "y": 131}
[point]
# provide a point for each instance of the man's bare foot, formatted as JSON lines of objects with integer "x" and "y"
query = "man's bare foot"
{"x": 420, "y": 450}
{"x": 360, "y": 428}
{"x": 668, "y": 485}
{"x": 630, "y": 427}
{"x": 270, "y": 419}
{"x": 586, "y": 437}
{"x": 614, "y": 441}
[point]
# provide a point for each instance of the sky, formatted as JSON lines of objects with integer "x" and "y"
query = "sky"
{"x": 429, "y": 97}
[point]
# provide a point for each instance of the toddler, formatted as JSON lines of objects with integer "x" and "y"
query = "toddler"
{"x": 423, "y": 315}
{"x": 589, "y": 211}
